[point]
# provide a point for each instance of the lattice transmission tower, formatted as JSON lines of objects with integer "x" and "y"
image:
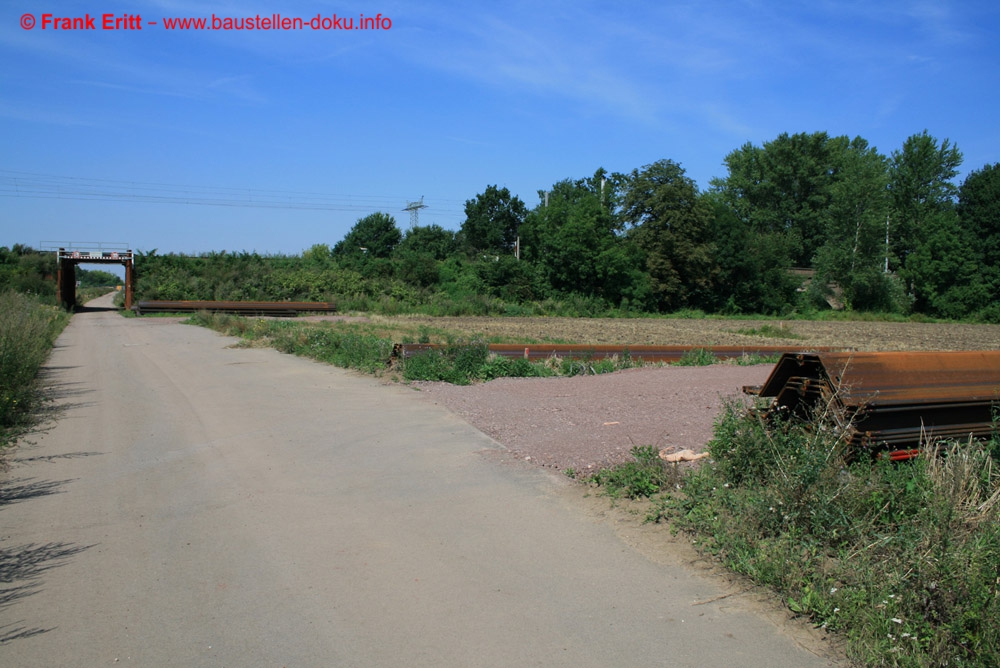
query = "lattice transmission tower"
{"x": 414, "y": 209}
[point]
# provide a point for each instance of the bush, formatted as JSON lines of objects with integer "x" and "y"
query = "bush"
{"x": 462, "y": 363}
{"x": 697, "y": 357}
{"x": 901, "y": 558}
{"x": 348, "y": 349}
{"x": 459, "y": 364}
{"x": 641, "y": 478}
{"x": 28, "y": 329}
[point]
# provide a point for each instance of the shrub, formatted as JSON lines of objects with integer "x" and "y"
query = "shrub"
{"x": 643, "y": 477}
{"x": 431, "y": 365}
{"x": 28, "y": 329}
{"x": 900, "y": 557}
{"x": 697, "y": 357}
{"x": 497, "y": 366}
{"x": 458, "y": 363}
{"x": 769, "y": 331}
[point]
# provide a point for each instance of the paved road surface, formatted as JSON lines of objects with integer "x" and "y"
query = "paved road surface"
{"x": 198, "y": 505}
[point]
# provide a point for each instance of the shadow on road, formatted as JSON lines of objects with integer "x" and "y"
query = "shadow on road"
{"x": 22, "y": 567}
{"x": 55, "y": 399}
{"x": 52, "y": 458}
{"x": 55, "y": 389}
{"x": 14, "y": 632}
{"x": 28, "y": 488}
{"x": 93, "y": 309}
{"x": 28, "y": 562}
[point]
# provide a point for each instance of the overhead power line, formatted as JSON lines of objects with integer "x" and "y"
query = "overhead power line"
{"x": 50, "y": 186}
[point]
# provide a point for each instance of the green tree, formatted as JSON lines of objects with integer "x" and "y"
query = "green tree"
{"x": 944, "y": 269}
{"x": 509, "y": 279}
{"x": 26, "y": 270}
{"x": 374, "y": 236}
{"x": 854, "y": 253}
{"x": 670, "y": 224}
{"x": 920, "y": 184}
{"x": 492, "y": 220}
{"x": 937, "y": 257}
{"x": 979, "y": 211}
{"x": 96, "y": 278}
{"x": 432, "y": 240}
{"x": 783, "y": 187}
{"x": 754, "y": 266}
{"x": 575, "y": 238}
{"x": 318, "y": 255}
{"x": 418, "y": 257}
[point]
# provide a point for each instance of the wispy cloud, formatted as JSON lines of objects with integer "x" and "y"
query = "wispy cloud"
{"x": 527, "y": 54}
{"x": 118, "y": 64}
{"x": 34, "y": 114}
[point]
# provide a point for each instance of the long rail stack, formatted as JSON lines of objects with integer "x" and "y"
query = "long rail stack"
{"x": 892, "y": 401}
{"x": 280, "y": 309}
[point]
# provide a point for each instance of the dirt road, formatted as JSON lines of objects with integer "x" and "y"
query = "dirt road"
{"x": 198, "y": 505}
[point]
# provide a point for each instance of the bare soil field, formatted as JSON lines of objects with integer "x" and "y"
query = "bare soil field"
{"x": 588, "y": 422}
{"x": 870, "y": 336}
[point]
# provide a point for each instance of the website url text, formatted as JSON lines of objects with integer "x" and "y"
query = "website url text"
{"x": 49, "y": 21}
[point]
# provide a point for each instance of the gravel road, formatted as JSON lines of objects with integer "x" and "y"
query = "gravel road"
{"x": 200, "y": 505}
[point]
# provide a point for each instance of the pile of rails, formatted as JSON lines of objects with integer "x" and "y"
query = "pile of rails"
{"x": 276, "y": 309}
{"x": 891, "y": 401}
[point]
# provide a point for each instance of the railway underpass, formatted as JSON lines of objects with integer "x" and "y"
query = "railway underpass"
{"x": 72, "y": 253}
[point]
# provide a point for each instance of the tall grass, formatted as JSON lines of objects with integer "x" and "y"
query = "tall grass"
{"x": 349, "y": 349}
{"x": 367, "y": 347}
{"x": 28, "y": 329}
{"x": 902, "y": 559}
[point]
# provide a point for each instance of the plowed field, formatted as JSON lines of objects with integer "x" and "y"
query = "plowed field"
{"x": 872, "y": 336}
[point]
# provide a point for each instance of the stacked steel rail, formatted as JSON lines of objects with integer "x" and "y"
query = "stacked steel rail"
{"x": 278, "y": 309}
{"x": 893, "y": 400}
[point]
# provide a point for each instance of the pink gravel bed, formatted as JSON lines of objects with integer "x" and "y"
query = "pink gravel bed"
{"x": 589, "y": 422}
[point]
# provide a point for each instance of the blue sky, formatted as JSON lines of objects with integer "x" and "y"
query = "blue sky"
{"x": 272, "y": 141}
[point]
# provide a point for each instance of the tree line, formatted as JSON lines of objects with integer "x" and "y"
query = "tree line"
{"x": 867, "y": 232}
{"x": 889, "y": 234}
{"x": 28, "y": 271}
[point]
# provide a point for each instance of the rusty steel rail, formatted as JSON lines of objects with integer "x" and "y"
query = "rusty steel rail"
{"x": 892, "y": 400}
{"x": 541, "y": 351}
{"x": 279, "y": 309}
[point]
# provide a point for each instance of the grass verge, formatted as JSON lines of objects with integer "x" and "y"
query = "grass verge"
{"x": 351, "y": 348}
{"x": 900, "y": 559}
{"x": 367, "y": 346}
{"x": 697, "y": 357}
{"x": 769, "y": 331}
{"x": 28, "y": 329}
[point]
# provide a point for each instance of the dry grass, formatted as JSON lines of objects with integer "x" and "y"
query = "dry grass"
{"x": 709, "y": 331}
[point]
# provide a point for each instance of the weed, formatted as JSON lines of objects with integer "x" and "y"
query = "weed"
{"x": 431, "y": 365}
{"x": 900, "y": 558}
{"x": 697, "y": 357}
{"x": 28, "y": 329}
{"x": 643, "y": 477}
{"x": 751, "y": 359}
{"x": 461, "y": 363}
{"x": 592, "y": 367}
{"x": 497, "y": 366}
{"x": 350, "y": 348}
{"x": 769, "y": 331}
